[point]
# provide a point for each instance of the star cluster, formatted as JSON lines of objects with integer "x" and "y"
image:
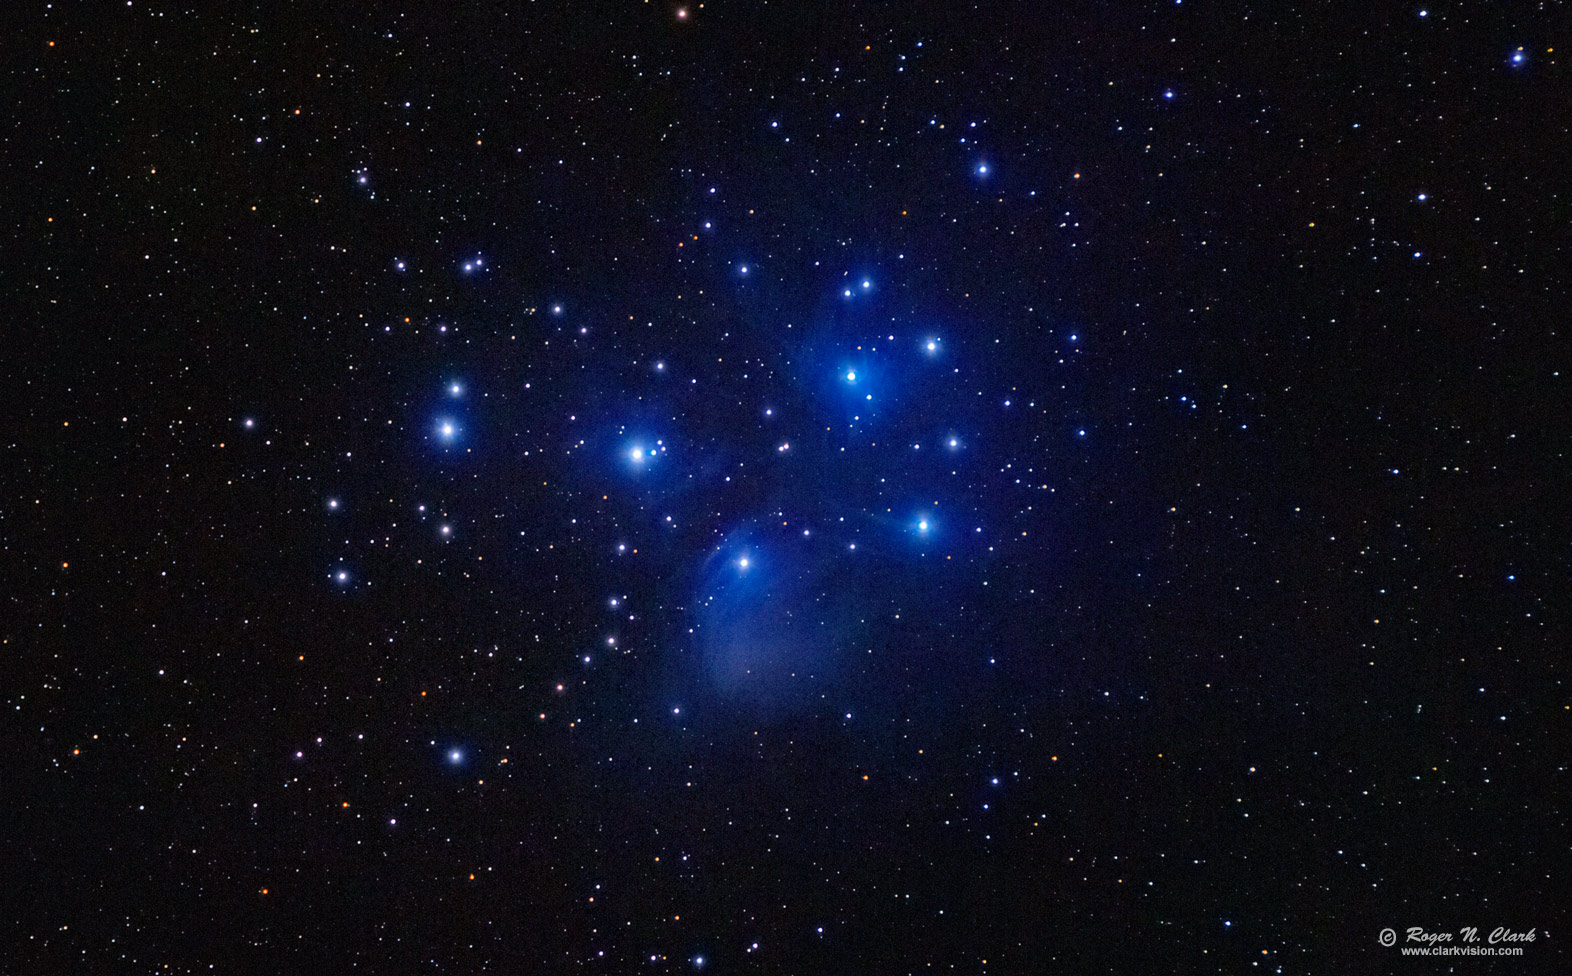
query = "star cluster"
{"x": 871, "y": 489}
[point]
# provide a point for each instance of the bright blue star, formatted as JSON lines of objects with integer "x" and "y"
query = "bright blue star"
{"x": 455, "y": 756}
{"x": 851, "y": 376}
{"x": 447, "y": 430}
{"x": 455, "y": 389}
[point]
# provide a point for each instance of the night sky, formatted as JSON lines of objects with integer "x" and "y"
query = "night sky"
{"x": 784, "y": 488}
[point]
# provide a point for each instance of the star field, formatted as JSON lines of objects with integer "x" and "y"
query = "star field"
{"x": 655, "y": 488}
